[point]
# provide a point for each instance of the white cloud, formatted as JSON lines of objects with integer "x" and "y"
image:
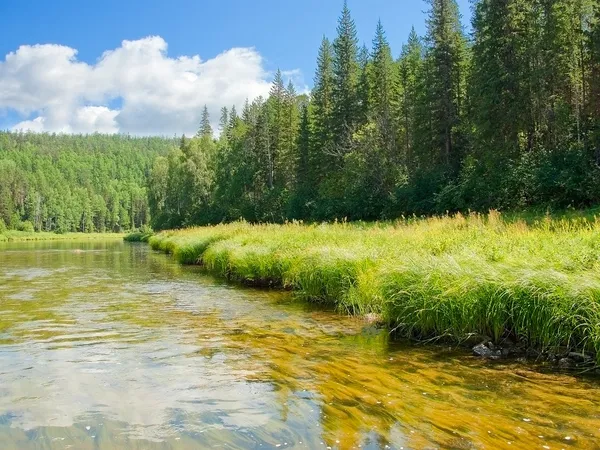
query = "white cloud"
{"x": 36, "y": 125}
{"x": 158, "y": 94}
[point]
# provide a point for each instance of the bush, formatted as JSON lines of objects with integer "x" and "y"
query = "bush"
{"x": 26, "y": 226}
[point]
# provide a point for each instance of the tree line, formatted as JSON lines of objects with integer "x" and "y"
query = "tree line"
{"x": 86, "y": 183}
{"x": 505, "y": 117}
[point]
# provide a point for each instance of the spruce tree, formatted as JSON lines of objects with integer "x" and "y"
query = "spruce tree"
{"x": 205, "y": 129}
{"x": 444, "y": 83}
{"x": 384, "y": 85}
{"x": 304, "y": 179}
{"x": 233, "y": 117}
{"x": 346, "y": 75}
{"x": 288, "y": 157}
{"x": 593, "y": 100}
{"x": 277, "y": 127}
{"x": 410, "y": 69}
{"x": 364, "y": 89}
{"x": 322, "y": 111}
{"x": 224, "y": 121}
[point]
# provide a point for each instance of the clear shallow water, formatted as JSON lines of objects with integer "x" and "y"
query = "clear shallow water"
{"x": 106, "y": 345}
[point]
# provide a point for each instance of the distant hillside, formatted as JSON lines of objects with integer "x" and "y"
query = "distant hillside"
{"x": 85, "y": 183}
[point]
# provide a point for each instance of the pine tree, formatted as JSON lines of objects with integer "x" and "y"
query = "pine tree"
{"x": 346, "y": 74}
{"x": 290, "y": 92}
{"x": 205, "y": 129}
{"x": 224, "y": 121}
{"x": 410, "y": 69}
{"x": 304, "y": 180}
{"x": 288, "y": 157}
{"x": 322, "y": 111}
{"x": 277, "y": 124}
{"x": 593, "y": 100}
{"x": 384, "y": 85}
{"x": 233, "y": 118}
{"x": 444, "y": 83}
{"x": 266, "y": 162}
{"x": 363, "y": 89}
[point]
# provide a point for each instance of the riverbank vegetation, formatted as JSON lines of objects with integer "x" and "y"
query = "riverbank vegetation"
{"x": 506, "y": 117}
{"x": 138, "y": 236}
{"x": 440, "y": 277}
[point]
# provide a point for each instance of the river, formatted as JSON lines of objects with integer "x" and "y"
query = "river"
{"x": 107, "y": 345}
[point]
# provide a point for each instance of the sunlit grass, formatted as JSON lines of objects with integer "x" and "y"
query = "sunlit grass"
{"x": 138, "y": 236}
{"x": 537, "y": 280}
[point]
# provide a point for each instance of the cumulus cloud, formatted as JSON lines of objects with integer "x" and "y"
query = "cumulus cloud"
{"x": 157, "y": 94}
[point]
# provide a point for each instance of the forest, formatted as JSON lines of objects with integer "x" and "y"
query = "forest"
{"x": 505, "y": 116}
{"x": 75, "y": 183}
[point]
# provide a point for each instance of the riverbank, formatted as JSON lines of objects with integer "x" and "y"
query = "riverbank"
{"x": 16, "y": 236}
{"x": 535, "y": 283}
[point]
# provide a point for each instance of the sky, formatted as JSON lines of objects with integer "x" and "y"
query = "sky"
{"x": 147, "y": 67}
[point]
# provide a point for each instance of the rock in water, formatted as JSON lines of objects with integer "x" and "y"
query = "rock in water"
{"x": 483, "y": 351}
{"x": 566, "y": 363}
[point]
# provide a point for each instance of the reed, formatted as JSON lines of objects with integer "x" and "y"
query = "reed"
{"x": 535, "y": 280}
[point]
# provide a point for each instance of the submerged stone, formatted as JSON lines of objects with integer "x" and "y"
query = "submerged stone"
{"x": 484, "y": 351}
{"x": 566, "y": 363}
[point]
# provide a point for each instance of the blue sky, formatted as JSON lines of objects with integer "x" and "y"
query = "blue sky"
{"x": 283, "y": 34}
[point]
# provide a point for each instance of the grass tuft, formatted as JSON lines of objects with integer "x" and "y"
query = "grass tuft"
{"x": 138, "y": 236}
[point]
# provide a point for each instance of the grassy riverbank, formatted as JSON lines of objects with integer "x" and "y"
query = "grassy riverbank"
{"x": 13, "y": 235}
{"x": 536, "y": 281}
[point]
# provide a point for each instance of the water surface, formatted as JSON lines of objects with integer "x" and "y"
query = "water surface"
{"x": 106, "y": 345}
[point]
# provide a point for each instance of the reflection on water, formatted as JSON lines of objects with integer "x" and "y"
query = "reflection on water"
{"x": 106, "y": 345}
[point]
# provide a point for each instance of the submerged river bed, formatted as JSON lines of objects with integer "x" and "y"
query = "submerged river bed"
{"x": 106, "y": 345}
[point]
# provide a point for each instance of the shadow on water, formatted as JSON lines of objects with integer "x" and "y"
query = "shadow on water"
{"x": 105, "y": 345}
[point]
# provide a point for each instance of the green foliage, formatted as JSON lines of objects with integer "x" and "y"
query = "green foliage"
{"x": 345, "y": 106}
{"x": 205, "y": 129}
{"x": 441, "y": 102}
{"x": 138, "y": 236}
{"x": 508, "y": 120}
{"x": 26, "y": 226}
{"x": 64, "y": 183}
{"x": 16, "y": 236}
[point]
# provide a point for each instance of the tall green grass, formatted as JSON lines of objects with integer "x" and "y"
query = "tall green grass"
{"x": 537, "y": 281}
{"x": 138, "y": 236}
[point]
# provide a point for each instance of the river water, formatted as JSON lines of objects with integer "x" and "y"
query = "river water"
{"x": 107, "y": 345}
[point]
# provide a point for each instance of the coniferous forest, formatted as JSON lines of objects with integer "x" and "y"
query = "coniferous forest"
{"x": 506, "y": 116}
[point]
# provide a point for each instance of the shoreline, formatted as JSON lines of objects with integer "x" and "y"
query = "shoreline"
{"x": 24, "y": 236}
{"x": 499, "y": 314}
